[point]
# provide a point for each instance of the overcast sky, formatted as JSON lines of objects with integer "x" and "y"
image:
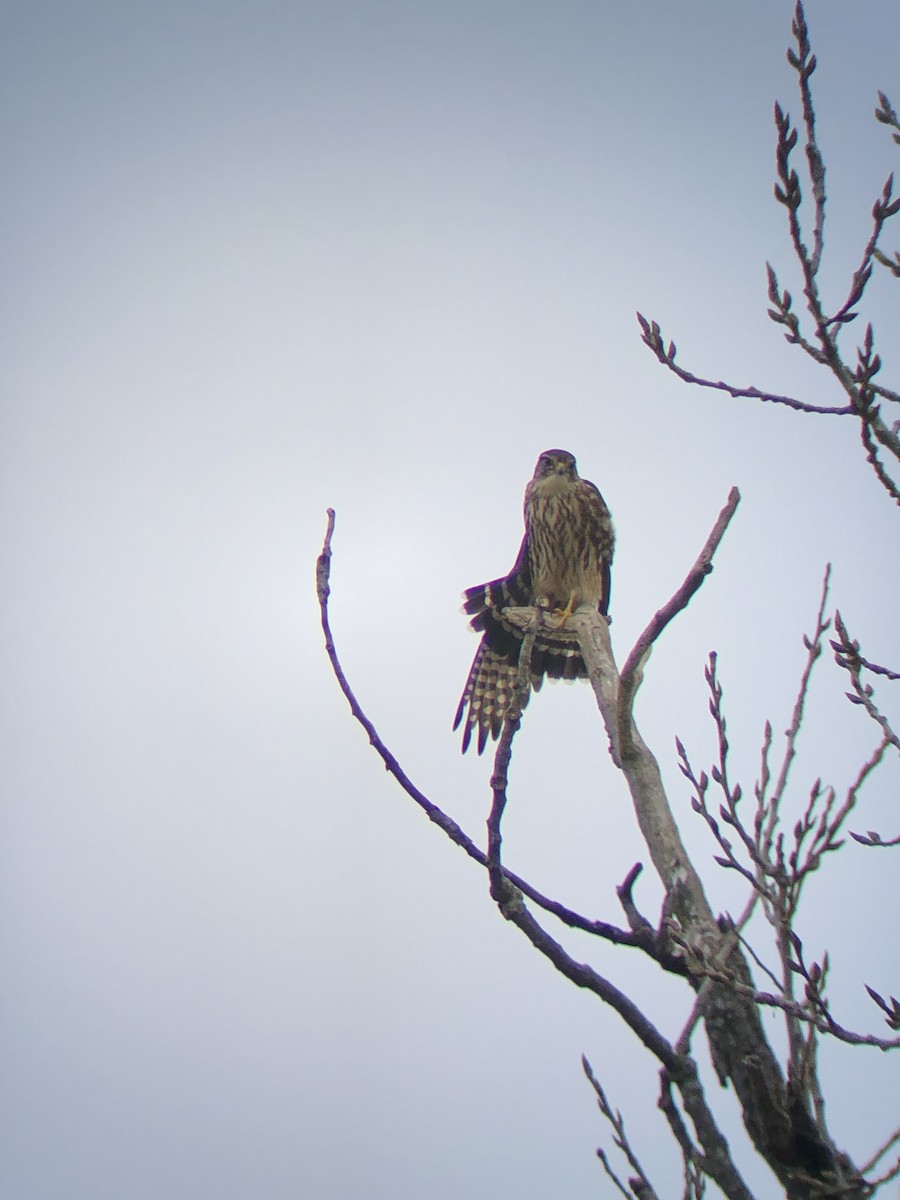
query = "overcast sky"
{"x": 265, "y": 258}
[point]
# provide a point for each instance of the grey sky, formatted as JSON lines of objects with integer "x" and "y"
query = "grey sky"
{"x": 262, "y": 259}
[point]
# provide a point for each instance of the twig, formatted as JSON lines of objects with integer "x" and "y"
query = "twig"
{"x": 828, "y": 827}
{"x": 885, "y": 1178}
{"x": 604, "y": 1160}
{"x": 700, "y": 805}
{"x": 871, "y": 838}
{"x": 891, "y": 1010}
{"x": 813, "y": 646}
{"x": 846, "y": 654}
{"x": 640, "y": 1185}
{"x": 654, "y": 942}
{"x": 877, "y": 669}
{"x": 759, "y": 962}
{"x": 804, "y": 63}
{"x": 881, "y": 1152}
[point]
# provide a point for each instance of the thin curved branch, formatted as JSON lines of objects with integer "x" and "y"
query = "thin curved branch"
{"x": 813, "y": 644}
{"x": 881, "y": 211}
{"x": 431, "y": 810}
{"x": 630, "y": 678}
{"x": 652, "y": 337}
{"x": 886, "y": 1177}
{"x": 881, "y": 1152}
{"x": 500, "y": 776}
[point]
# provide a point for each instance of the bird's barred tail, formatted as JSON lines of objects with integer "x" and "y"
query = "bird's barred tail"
{"x": 487, "y": 695}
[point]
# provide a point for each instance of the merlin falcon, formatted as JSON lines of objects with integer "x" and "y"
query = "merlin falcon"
{"x": 563, "y": 564}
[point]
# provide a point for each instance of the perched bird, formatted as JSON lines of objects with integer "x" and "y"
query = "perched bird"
{"x": 563, "y": 563}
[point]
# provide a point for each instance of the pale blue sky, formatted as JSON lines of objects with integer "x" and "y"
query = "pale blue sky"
{"x": 262, "y": 259}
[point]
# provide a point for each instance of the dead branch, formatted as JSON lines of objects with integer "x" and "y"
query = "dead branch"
{"x": 630, "y": 679}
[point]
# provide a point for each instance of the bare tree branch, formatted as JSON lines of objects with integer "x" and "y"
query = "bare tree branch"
{"x": 630, "y": 678}
{"x": 881, "y": 1152}
{"x": 652, "y": 337}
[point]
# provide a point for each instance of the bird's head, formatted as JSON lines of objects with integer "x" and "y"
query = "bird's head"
{"x": 556, "y": 462}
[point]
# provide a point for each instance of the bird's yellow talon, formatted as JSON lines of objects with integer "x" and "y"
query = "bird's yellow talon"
{"x": 563, "y": 614}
